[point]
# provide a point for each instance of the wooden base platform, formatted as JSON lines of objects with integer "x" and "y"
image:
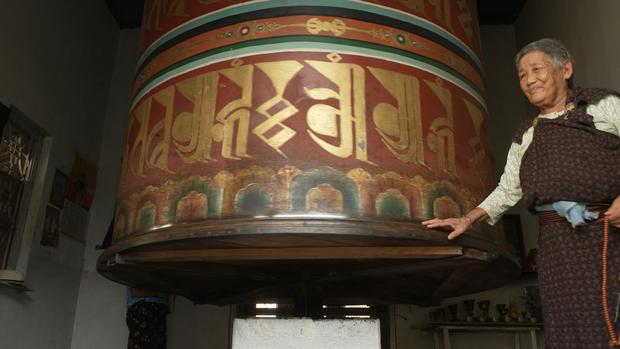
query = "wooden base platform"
{"x": 330, "y": 261}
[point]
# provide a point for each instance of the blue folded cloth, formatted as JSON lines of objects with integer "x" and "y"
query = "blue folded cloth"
{"x": 576, "y": 213}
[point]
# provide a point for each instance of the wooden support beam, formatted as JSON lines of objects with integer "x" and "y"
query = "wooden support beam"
{"x": 459, "y": 278}
{"x": 405, "y": 268}
{"x": 293, "y": 253}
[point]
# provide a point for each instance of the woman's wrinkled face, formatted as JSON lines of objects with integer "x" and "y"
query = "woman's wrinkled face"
{"x": 544, "y": 85}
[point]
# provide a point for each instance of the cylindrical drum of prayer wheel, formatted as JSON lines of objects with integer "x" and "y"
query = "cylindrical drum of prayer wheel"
{"x": 279, "y": 136}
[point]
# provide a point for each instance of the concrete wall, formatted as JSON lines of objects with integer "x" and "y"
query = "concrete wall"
{"x": 55, "y": 65}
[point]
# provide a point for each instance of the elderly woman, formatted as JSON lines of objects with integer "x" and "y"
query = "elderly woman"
{"x": 565, "y": 165}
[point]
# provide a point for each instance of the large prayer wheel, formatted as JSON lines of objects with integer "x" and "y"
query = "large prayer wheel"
{"x": 275, "y": 146}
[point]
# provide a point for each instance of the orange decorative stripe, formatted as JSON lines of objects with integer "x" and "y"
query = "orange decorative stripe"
{"x": 307, "y": 25}
{"x": 457, "y": 17}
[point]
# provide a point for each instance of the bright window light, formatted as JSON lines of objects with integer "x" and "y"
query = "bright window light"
{"x": 266, "y": 305}
{"x": 357, "y": 316}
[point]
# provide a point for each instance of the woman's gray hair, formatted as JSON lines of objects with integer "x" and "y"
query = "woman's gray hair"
{"x": 550, "y": 47}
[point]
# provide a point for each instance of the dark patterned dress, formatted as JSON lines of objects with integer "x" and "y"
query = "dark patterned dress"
{"x": 569, "y": 159}
{"x": 146, "y": 321}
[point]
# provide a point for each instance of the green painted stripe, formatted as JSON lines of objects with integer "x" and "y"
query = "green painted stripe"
{"x": 310, "y": 44}
{"x": 284, "y": 40}
{"x": 347, "y": 4}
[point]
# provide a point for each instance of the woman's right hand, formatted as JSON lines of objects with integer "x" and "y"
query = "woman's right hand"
{"x": 459, "y": 225}
{"x": 614, "y": 213}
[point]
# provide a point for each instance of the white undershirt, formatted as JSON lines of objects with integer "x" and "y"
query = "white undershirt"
{"x": 605, "y": 116}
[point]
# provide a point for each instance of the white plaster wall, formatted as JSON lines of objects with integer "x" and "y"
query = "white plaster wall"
{"x": 589, "y": 30}
{"x": 409, "y": 323}
{"x": 193, "y": 326}
{"x": 56, "y": 62}
{"x": 99, "y": 319}
{"x": 504, "y": 97}
{"x": 305, "y": 334}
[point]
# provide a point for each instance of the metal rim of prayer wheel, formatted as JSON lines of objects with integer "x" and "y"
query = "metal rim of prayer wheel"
{"x": 275, "y": 146}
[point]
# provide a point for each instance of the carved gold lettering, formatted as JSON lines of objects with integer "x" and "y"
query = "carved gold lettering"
{"x": 442, "y": 11}
{"x": 400, "y": 126}
{"x": 277, "y": 109}
{"x": 139, "y": 118}
{"x": 192, "y": 133}
{"x": 152, "y": 142}
{"x": 465, "y": 18}
{"x": 326, "y": 120}
{"x": 158, "y": 139}
{"x": 441, "y": 138}
{"x": 156, "y": 9}
{"x": 417, "y": 5}
{"x": 176, "y": 8}
{"x": 234, "y": 118}
{"x": 336, "y": 122}
{"x": 477, "y": 160}
{"x": 152, "y": 14}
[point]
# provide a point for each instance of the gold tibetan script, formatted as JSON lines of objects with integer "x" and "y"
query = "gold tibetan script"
{"x": 234, "y": 118}
{"x": 153, "y": 140}
{"x": 477, "y": 160}
{"x": 189, "y": 118}
{"x": 277, "y": 109}
{"x": 417, "y": 5}
{"x": 348, "y": 122}
{"x": 156, "y": 9}
{"x": 400, "y": 126}
{"x": 194, "y": 132}
{"x": 465, "y": 18}
{"x": 441, "y": 138}
{"x": 442, "y": 11}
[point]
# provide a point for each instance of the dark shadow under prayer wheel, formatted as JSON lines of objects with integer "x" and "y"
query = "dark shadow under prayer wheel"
{"x": 279, "y": 146}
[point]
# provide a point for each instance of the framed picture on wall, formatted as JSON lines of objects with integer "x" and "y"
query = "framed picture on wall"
{"x": 82, "y": 182}
{"x": 59, "y": 189}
